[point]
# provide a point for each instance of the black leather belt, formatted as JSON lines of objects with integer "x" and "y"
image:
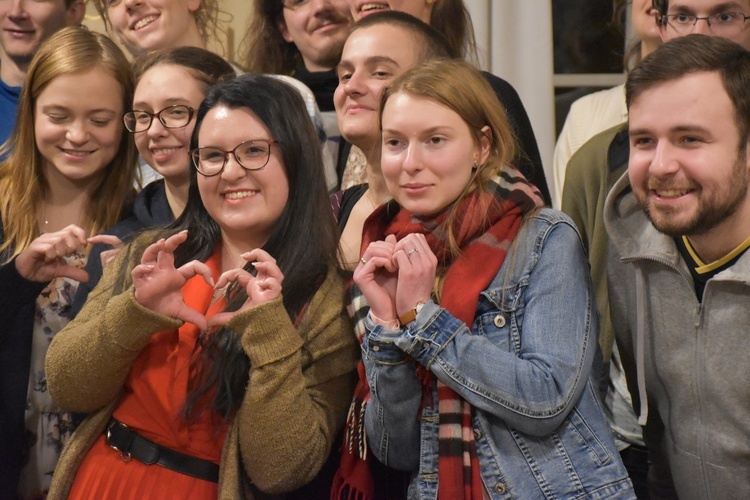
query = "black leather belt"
{"x": 130, "y": 445}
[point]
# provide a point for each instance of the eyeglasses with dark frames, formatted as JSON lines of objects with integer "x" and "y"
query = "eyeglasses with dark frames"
{"x": 251, "y": 155}
{"x": 722, "y": 23}
{"x": 176, "y": 116}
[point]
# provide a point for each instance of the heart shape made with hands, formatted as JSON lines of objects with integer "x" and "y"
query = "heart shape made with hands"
{"x": 158, "y": 284}
{"x": 395, "y": 275}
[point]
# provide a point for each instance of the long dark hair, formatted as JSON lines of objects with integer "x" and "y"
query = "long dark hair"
{"x": 303, "y": 241}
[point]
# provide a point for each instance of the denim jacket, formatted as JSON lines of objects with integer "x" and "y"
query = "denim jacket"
{"x": 525, "y": 367}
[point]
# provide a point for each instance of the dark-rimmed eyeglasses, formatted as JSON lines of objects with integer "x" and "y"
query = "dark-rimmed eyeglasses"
{"x": 251, "y": 155}
{"x": 176, "y": 116}
{"x": 725, "y": 24}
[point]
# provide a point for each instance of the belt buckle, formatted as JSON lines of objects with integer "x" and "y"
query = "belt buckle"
{"x": 124, "y": 455}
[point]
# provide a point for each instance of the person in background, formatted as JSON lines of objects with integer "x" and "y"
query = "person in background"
{"x": 146, "y": 25}
{"x": 378, "y": 50}
{"x": 601, "y": 110}
{"x": 68, "y": 176}
{"x": 480, "y": 344}
{"x": 451, "y": 19}
{"x": 589, "y": 116}
{"x": 170, "y": 86}
{"x": 679, "y": 228}
{"x": 220, "y": 343}
{"x": 303, "y": 39}
{"x": 596, "y": 167}
{"x": 24, "y": 27}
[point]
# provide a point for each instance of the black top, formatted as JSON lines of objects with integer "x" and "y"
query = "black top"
{"x": 151, "y": 209}
{"x": 17, "y": 309}
{"x": 322, "y": 84}
{"x": 701, "y": 272}
{"x": 528, "y": 160}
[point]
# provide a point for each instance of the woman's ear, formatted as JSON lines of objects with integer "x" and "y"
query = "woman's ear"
{"x": 194, "y": 5}
{"x": 485, "y": 145}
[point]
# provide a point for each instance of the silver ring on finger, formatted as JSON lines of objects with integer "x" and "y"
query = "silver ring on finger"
{"x": 408, "y": 254}
{"x": 363, "y": 260}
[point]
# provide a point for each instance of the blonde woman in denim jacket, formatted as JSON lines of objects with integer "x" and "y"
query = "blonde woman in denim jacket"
{"x": 506, "y": 407}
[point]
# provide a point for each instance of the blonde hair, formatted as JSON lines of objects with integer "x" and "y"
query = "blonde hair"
{"x": 23, "y": 184}
{"x": 459, "y": 86}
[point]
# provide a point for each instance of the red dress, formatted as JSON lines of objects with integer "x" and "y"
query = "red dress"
{"x": 151, "y": 405}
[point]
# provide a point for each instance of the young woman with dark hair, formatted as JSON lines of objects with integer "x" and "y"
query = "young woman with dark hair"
{"x": 188, "y": 345}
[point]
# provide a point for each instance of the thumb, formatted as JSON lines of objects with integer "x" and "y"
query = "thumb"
{"x": 220, "y": 319}
{"x": 74, "y": 273}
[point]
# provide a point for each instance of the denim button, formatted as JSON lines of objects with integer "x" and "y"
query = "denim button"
{"x": 499, "y": 321}
{"x": 477, "y": 434}
{"x": 426, "y": 345}
{"x": 500, "y": 488}
{"x": 376, "y": 348}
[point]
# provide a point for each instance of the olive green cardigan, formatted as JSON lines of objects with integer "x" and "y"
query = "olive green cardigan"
{"x": 300, "y": 383}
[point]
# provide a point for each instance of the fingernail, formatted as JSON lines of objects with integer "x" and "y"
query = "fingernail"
{"x": 255, "y": 264}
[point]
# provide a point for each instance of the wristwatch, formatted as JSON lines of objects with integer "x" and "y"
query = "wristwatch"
{"x": 411, "y": 314}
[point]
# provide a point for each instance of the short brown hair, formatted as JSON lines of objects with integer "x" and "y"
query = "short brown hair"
{"x": 431, "y": 44}
{"x": 698, "y": 53}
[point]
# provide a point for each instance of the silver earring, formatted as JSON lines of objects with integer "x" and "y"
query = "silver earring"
{"x": 476, "y": 165}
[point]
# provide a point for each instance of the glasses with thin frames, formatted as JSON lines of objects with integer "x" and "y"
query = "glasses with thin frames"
{"x": 295, "y": 4}
{"x": 724, "y": 23}
{"x": 176, "y": 116}
{"x": 251, "y": 155}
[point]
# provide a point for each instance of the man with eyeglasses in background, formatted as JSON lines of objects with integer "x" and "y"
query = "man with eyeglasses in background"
{"x": 598, "y": 164}
{"x": 724, "y": 19}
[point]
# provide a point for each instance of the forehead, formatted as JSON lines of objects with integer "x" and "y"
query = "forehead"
{"x": 406, "y": 109}
{"x": 381, "y": 40}
{"x": 697, "y": 100}
{"x": 707, "y": 6}
{"x": 171, "y": 80}
{"x": 226, "y": 127}
{"x": 93, "y": 88}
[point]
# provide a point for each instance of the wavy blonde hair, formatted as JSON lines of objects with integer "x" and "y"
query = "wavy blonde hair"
{"x": 23, "y": 185}
{"x": 457, "y": 85}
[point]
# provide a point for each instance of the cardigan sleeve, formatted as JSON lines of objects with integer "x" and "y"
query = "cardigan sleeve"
{"x": 300, "y": 386}
{"x": 88, "y": 361}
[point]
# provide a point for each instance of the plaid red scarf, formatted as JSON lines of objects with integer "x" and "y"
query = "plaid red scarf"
{"x": 485, "y": 229}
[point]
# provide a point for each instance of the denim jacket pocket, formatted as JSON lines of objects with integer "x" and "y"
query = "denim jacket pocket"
{"x": 583, "y": 438}
{"x": 500, "y": 317}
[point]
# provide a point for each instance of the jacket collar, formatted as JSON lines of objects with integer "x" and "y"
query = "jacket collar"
{"x": 636, "y": 238}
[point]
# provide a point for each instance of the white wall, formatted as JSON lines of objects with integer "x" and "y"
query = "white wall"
{"x": 515, "y": 43}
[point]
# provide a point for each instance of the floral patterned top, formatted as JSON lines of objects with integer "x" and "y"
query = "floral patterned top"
{"x": 47, "y": 428}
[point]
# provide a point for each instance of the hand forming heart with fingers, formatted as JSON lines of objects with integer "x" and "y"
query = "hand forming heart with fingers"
{"x": 44, "y": 259}
{"x": 107, "y": 239}
{"x": 377, "y": 275}
{"x": 158, "y": 284}
{"x": 263, "y": 287}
